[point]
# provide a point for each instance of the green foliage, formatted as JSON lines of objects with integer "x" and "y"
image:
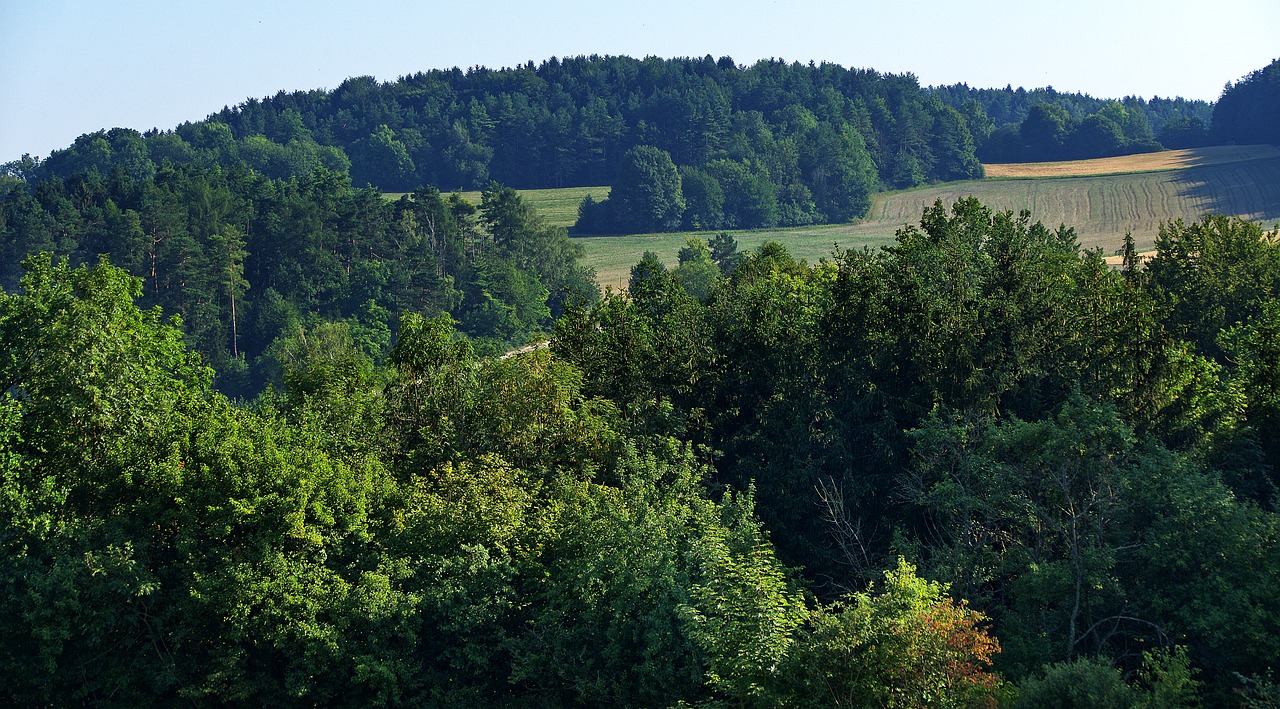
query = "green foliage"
{"x": 1168, "y": 676}
{"x": 1027, "y": 422}
{"x": 1033, "y": 512}
{"x": 1097, "y": 136}
{"x": 1085, "y": 682}
{"x": 619, "y": 568}
{"x": 519, "y": 234}
{"x": 1258, "y": 693}
{"x": 1240, "y": 114}
{"x": 751, "y": 200}
{"x": 162, "y": 546}
{"x": 161, "y": 508}
{"x": 646, "y": 195}
{"x": 704, "y": 199}
{"x": 743, "y": 611}
{"x": 1055, "y": 126}
{"x": 697, "y": 272}
{"x": 246, "y": 260}
{"x": 908, "y": 645}
{"x": 89, "y": 369}
{"x": 1164, "y": 681}
{"x": 1046, "y": 129}
{"x": 1216, "y": 281}
{"x": 724, "y": 251}
{"x": 1211, "y": 275}
{"x": 1184, "y": 132}
{"x": 380, "y": 158}
{"x": 1071, "y": 522}
{"x": 561, "y": 527}
{"x": 989, "y": 111}
{"x": 506, "y": 303}
{"x": 1254, "y": 348}
{"x": 815, "y": 140}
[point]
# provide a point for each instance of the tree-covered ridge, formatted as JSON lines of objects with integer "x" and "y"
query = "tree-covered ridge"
{"x": 569, "y": 122}
{"x": 246, "y": 260}
{"x": 1011, "y": 125}
{"x": 565, "y": 122}
{"x": 765, "y": 145}
{"x": 1248, "y": 109}
{"x": 1010, "y": 105}
{"x": 1020, "y": 125}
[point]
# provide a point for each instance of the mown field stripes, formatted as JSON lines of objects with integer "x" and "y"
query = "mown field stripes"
{"x": 1100, "y": 208}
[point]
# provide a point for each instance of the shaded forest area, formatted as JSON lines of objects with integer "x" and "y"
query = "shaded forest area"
{"x": 245, "y": 260}
{"x": 1017, "y": 125}
{"x": 976, "y": 467}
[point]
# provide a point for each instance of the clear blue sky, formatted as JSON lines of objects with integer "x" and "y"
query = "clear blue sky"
{"x": 69, "y": 67}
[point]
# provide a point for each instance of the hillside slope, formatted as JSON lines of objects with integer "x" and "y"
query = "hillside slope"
{"x": 1142, "y": 162}
{"x": 1237, "y": 180}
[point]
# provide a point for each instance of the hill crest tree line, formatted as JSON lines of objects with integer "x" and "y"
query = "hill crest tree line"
{"x": 766, "y": 145}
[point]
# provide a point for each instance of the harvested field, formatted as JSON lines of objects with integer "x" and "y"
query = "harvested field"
{"x": 1100, "y": 208}
{"x": 1145, "y": 162}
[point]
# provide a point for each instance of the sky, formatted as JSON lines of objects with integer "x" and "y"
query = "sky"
{"x": 69, "y": 67}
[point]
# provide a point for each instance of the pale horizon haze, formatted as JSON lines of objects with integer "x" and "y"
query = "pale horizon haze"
{"x": 73, "y": 67}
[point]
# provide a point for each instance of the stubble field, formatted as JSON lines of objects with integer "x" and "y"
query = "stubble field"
{"x": 1102, "y": 205}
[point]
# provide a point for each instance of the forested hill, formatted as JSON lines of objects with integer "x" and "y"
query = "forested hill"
{"x": 568, "y": 122}
{"x": 770, "y": 144}
{"x": 1020, "y": 125}
{"x": 246, "y": 261}
{"x": 1017, "y": 125}
{"x": 1010, "y": 105}
{"x": 1249, "y": 109}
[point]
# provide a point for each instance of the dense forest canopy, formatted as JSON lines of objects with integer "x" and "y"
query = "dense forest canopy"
{"x": 245, "y": 260}
{"x": 1247, "y": 111}
{"x": 1011, "y": 125}
{"x": 569, "y": 122}
{"x": 1010, "y": 105}
{"x": 262, "y": 440}
{"x": 1015, "y": 125}
{"x": 974, "y": 467}
{"x": 1086, "y": 455}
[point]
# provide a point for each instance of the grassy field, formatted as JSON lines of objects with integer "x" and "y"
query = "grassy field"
{"x": 1102, "y": 208}
{"x": 613, "y": 256}
{"x": 559, "y": 207}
